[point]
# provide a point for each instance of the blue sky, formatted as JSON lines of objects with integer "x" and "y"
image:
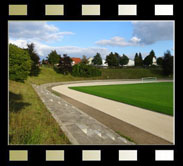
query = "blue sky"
{"x": 78, "y": 38}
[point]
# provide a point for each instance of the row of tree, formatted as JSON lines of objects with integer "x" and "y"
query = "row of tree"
{"x": 115, "y": 60}
{"x": 25, "y": 62}
{"x": 166, "y": 61}
{"x": 63, "y": 64}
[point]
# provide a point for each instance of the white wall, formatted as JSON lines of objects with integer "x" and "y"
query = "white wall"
{"x": 103, "y": 63}
{"x": 90, "y": 61}
{"x": 130, "y": 63}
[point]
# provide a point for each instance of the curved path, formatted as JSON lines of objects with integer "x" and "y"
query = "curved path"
{"x": 155, "y": 123}
{"x": 80, "y": 128}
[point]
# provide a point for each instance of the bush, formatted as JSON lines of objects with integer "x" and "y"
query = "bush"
{"x": 19, "y": 63}
{"x": 82, "y": 70}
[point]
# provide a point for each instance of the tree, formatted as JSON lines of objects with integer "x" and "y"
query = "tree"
{"x": 97, "y": 60}
{"x": 53, "y": 57}
{"x": 84, "y": 60}
{"x": 83, "y": 70}
{"x": 19, "y": 63}
{"x": 148, "y": 60}
{"x": 112, "y": 60}
{"x": 35, "y": 59}
{"x": 160, "y": 61}
{"x": 43, "y": 61}
{"x": 34, "y": 56}
{"x": 123, "y": 60}
{"x": 136, "y": 59}
{"x": 167, "y": 64}
{"x": 65, "y": 65}
{"x": 152, "y": 54}
{"x": 117, "y": 56}
{"x": 140, "y": 60}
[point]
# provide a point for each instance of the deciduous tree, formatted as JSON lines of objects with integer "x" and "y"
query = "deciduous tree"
{"x": 123, "y": 60}
{"x": 65, "y": 65}
{"x": 19, "y": 63}
{"x": 53, "y": 57}
{"x": 112, "y": 60}
{"x": 84, "y": 60}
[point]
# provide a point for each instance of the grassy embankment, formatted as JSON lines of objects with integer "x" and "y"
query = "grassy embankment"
{"x": 49, "y": 75}
{"x": 29, "y": 120}
{"x": 153, "y": 96}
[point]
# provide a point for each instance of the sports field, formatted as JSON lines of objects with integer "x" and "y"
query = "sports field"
{"x": 152, "y": 96}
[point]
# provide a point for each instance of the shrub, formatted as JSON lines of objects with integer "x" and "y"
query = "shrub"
{"x": 82, "y": 70}
{"x": 19, "y": 63}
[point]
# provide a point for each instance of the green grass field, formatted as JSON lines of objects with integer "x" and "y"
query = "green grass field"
{"x": 153, "y": 96}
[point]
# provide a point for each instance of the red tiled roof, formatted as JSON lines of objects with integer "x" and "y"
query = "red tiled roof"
{"x": 76, "y": 60}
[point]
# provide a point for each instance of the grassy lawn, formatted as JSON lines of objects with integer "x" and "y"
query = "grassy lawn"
{"x": 29, "y": 120}
{"x": 153, "y": 96}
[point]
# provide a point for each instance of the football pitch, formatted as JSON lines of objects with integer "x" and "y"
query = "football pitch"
{"x": 156, "y": 96}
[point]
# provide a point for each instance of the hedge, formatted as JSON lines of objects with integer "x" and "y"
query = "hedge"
{"x": 83, "y": 70}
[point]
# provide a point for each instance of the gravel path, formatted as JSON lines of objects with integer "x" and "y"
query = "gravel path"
{"x": 80, "y": 128}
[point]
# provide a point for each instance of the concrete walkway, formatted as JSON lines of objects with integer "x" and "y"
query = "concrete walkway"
{"x": 80, "y": 128}
{"x": 155, "y": 123}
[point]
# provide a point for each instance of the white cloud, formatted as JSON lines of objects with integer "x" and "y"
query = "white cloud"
{"x": 135, "y": 39}
{"x": 34, "y": 30}
{"x": 119, "y": 41}
{"x": 152, "y": 31}
{"x": 73, "y": 51}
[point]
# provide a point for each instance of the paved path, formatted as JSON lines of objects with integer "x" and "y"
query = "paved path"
{"x": 78, "y": 126}
{"x": 156, "y": 123}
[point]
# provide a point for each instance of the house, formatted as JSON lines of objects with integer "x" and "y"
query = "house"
{"x": 130, "y": 63}
{"x": 75, "y": 61}
{"x": 154, "y": 61}
{"x": 90, "y": 61}
{"x": 103, "y": 63}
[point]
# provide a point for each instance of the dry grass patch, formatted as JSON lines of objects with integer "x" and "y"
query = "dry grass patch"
{"x": 29, "y": 120}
